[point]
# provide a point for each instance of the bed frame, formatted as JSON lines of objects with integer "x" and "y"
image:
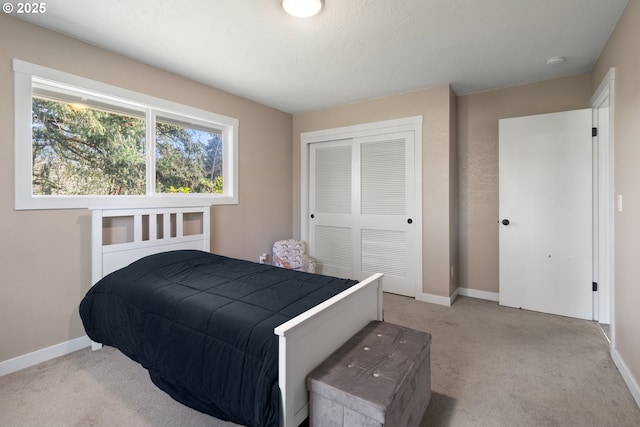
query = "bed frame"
{"x": 121, "y": 236}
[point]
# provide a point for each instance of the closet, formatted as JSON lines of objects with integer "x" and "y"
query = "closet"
{"x": 362, "y": 202}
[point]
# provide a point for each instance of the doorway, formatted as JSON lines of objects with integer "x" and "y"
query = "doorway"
{"x": 602, "y": 103}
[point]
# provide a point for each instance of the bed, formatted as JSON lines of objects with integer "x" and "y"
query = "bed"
{"x": 174, "y": 242}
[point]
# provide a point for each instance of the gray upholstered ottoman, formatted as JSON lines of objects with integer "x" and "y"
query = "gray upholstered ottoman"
{"x": 381, "y": 376}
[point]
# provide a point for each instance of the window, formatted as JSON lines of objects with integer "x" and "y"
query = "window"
{"x": 81, "y": 147}
{"x": 82, "y": 143}
{"x": 188, "y": 158}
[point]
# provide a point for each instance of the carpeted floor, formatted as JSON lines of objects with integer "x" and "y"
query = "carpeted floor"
{"x": 498, "y": 366}
{"x": 490, "y": 366}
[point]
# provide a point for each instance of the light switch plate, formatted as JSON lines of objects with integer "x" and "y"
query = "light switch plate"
{"x": 619, "y": 202}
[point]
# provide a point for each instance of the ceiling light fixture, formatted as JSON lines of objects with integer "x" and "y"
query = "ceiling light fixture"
{"x": 301, "y": 8}
{"x": 556, "y": 60}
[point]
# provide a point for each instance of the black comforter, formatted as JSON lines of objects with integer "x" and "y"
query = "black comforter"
{"x": 202, "y": 324}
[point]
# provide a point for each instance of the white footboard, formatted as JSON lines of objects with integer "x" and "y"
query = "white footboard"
{"x": 308, "y": 339}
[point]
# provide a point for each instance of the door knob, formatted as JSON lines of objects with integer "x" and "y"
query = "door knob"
{"x": 505, "y": 222}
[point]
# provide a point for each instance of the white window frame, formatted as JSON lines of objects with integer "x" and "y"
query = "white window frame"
{"x": 24, "y": 74}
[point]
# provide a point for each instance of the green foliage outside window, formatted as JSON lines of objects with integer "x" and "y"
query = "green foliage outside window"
{"x": 188, "y": 160}
{"x": 81, "y": 151}
{"x": 87, "y": 151}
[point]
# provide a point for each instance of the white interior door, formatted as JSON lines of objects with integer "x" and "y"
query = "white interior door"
{"x": 545, "y": 168}
{"x": 362, "y": 209}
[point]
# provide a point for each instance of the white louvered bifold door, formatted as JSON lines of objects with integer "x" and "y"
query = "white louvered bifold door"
{"x": 362, "y": 209}
{"x": 331, "y": 207}
{"x": 387, "y": 222}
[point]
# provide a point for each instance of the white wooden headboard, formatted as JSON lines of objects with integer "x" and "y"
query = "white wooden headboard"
{"x": 121, "y": 236}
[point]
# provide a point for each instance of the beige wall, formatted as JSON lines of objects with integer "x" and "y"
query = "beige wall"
{"x": 621, "y": 52}
{"x": 45, "y": 255}
{"x": 434, "y": 105}
{"x": 478, "y": 116}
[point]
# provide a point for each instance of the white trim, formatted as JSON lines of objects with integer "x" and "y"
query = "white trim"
{"x": 135, "y": 99}
{"x": 474, "y": 293}
{"x": 22, "y": 132}
{"x": 364, "y": 129}
{"x": 437, "y": 299}
{"x": 633, "y": 385}
{"x": 603, "y": 99}
{"x": 25, "y": 72}
{"x": 43, "y": 355}
{"x": 465, "y": 292}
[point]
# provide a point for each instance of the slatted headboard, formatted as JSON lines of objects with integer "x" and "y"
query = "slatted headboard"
{"x": 121, "y": 236}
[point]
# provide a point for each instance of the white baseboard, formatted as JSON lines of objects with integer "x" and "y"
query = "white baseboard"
{"x": 465, "y": 292}
{"x": 437, "y": 299}
{"x": 631, "y": 382}
{"x": 39, "y": 356}
{"x": 474, "y": 293}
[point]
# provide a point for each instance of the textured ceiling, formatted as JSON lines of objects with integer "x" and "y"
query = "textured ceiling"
{"x": 353, "y": 50}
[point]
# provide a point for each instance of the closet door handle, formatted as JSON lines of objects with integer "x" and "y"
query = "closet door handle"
{"x": 312, "y": 216}
{"x": 410, "y": 221}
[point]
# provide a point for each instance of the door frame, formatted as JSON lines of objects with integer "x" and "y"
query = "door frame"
{"x": 413, "y": 124}
{"x": 602, "y": 103}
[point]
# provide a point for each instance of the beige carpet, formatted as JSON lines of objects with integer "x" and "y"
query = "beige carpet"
{"x": 491, "y": 366}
